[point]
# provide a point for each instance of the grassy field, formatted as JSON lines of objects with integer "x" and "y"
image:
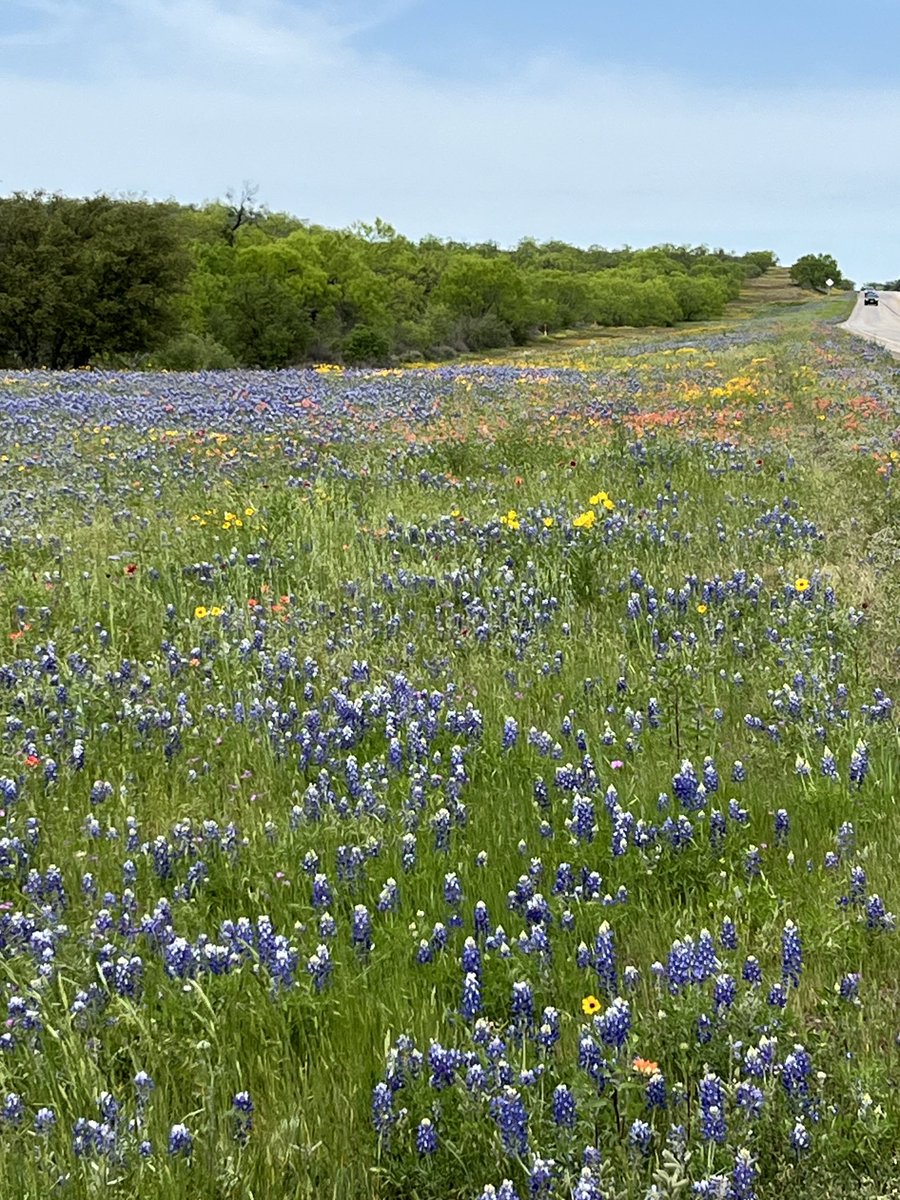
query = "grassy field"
{"x": 458, "y": 783}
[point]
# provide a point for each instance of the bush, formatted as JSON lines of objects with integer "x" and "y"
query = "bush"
{"x": 194, "y": 352}
{"x": 365, "y": 346}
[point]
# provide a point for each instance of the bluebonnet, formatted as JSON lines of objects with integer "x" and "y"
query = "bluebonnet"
{"x": 712, "y": 1109}
{"x": 319, "y": 966}
{"x": 782, "y": 826}
{"x": 383, "y": 1115}
{"x": 728, "y": 934}
{"x": 242, "y": 1110}
{"x": 749, "y": 1098}
{"x": 581, "y": 825}
{"x": 181, "y": 1143}
{"x": 704, "y": 1029}
{"x": 540, "y": 1178}
{"x": 605, "y": 959}
{"x": 791, "y": 954}
{"x": 686, "y": 787}
{"x": 614, "y": 1024}
{"x": 724, "y": 991}
{"x": 452, "y": 888}
{"x": 655, "y": 1094}
{"x": 848, "y": 987}
{"x": 859, "y": 763}
{"x": 752, "y": 864}
{"x": 777, "y": 997}
{"x": 522, "y": 1004}
{"x": 563, "y": 1106}
{"x": 426, "y": 1137}
{"x": 705, "y": 963}
{"x": 743, "y": 1176}
{"x": 470, "y": 1003}
{"x": 511, "y": 1118}
{"x": 587, "y": 1187}
{"x": 877, "y": 916}
{"x": 799, "y": 1138}
{"x": 640, "y": 1136}
{"x": 510, "y": 732}
{"x": 828, "y": 767}
{"x": 795, "y": 1073}
{"x": 44, "y": 1120}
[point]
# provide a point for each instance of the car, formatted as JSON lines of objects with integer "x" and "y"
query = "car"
{"x": 870, "y": 296}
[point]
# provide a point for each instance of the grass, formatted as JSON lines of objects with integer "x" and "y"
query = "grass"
{"x": 400, "y": 585}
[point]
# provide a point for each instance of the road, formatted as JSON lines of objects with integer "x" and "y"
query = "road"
{"x": 877, "y": 323}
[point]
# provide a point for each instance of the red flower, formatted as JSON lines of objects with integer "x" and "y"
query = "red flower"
{"x": 131, "y": 569}
{"x": 31, "y": 760}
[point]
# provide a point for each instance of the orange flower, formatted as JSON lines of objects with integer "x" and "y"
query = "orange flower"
{"x": 645, "y": 1066}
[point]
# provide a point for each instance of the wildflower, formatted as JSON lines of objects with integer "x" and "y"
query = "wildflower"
{"x": 801, "y": 584}
{"x": 564, "y": 1110}
{"x": 540, "y": 1178}
{"x": 426, "y": 1137}
{"x": 640, "y": 1136}
{"x": 645, "y": 1066}
{"x": 712, "y": 1109}
{"x": 800, "y": 1139}
{"x": 511, "y": 520}
{"x": 656, "y": 1095}
{"x": 548, "y": 524}
{"x": 200, "y": 612}
{"x": 701, "y": 609}
{"x": 743, "y": 1176}
{"x": 791, "y": 954}
{"x": 180, "y": 1141}
{"x": 585, "y": 520}
{"x": 242, "y": 1107}
{"x": 590, "y": 1005}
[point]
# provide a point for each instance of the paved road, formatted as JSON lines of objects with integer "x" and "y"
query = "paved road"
{"x": 878, "y": 323}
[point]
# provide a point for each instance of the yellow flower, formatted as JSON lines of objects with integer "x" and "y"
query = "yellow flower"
{"x": 510, "y": 519}
{"x": 216, "y": 611}
{"x": 200, "y": 612}
{"x": 585, "y": 520}
{"x": 548, "y": 522}
{"x": 801, "y": 584}
{"x": 608, "y": 504}
{"x": 701, "y": 609}
{"x": 598, "y": 498}
{"x": 454, "y": 512}
{"x": 590, "y": 1005}
{"x": 249, "y": 510}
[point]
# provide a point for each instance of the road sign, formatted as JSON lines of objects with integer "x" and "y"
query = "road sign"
{"x": 829, "y": 283}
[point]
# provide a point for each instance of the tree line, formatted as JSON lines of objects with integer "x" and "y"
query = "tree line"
{"x": 109, "y": 281}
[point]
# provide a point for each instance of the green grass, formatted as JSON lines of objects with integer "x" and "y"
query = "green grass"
{"x": 394, "y": 554}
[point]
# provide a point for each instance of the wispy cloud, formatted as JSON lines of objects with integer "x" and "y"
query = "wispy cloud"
{"x": 186, "y": 98}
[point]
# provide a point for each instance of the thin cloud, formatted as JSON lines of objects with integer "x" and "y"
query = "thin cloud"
{"x": 186, "y": 99}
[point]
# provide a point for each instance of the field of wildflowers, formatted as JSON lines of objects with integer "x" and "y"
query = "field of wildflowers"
{"x": 462, "y": 783}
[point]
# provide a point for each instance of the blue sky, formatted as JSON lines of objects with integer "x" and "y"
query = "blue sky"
{"x": 760, "y": 125}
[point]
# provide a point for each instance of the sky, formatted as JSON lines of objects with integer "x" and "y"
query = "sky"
{"x": 768, "y": 124}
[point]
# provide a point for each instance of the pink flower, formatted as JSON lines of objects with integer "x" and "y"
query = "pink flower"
{"x": 616, "y": 763}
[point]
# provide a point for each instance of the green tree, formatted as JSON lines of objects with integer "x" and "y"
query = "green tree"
{"x": 84, "y": 279}
{"x": 812, "y": 270}
{"x": 487, "y": 290}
